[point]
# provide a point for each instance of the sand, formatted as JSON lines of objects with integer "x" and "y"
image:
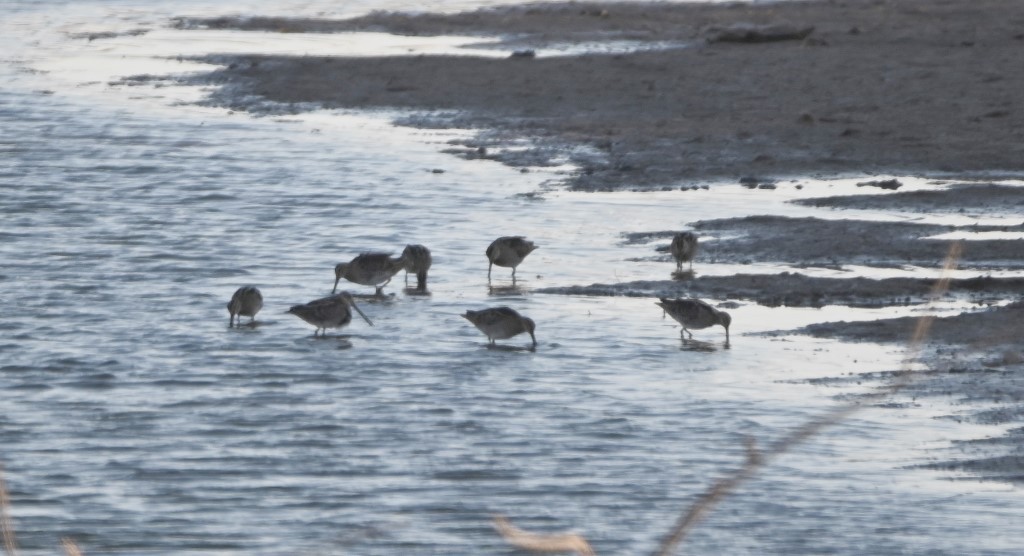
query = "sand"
{"x": 775, "y": 90}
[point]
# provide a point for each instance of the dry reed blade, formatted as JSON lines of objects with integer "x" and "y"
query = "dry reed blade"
{"x": 558, "y": 542}
{"x": 70, "y": 548}
{"x": 10, "y": 546}
{"x": 756, "y": 460}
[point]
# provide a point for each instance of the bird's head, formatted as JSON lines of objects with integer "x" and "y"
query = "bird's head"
{"x": 339, "y": 272}
{"x": 530, "y": 326}
{"x": 725, "y": 320}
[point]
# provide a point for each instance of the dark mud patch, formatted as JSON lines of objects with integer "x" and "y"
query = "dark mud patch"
{"x": 799, "y": 290}
{"x": 1001, "y": 326}
{"x": 815, "y": 242}
{"x": 957, "y": 198}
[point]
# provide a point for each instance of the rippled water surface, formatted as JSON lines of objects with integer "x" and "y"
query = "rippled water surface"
{"x": 136, "y": 422}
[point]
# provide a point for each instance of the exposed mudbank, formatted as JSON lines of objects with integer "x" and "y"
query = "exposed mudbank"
{"x": 996, "y": 327}
{"x": 798, "y": 290}
{"x": 958, "y": 198}
{"x": 835, "y": 243}
{"x": 902, "y": 86}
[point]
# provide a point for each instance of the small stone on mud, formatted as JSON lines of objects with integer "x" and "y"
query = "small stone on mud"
{"x": 884, "y": 184}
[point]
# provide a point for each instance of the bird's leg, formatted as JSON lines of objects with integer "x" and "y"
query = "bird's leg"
{"x": 407, "y": 278}
{"x": 689, "y": 333}
{"x": 380, "y": 291}
{"x": 513, "y": 275}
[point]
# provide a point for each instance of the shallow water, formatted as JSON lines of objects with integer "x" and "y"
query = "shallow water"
{"x": 136, "y": 422}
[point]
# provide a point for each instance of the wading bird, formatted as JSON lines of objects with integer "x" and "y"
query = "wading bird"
{"x": 695, "y": 314}
{"x": 508, "y": 251}
{"x": 416, "y": 258}
{"x": 333, "y": 311}
{"x": 684, "y": 249}
{"x": 501, "y": 323}
{"x": 246, "y": 302}
{"x": 368, "y": 269}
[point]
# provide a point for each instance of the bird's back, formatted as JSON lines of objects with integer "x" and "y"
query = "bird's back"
{"x": 370, "y": 269}
{"x": 684, "y": 246}
{"x": 691, "y": 313}
{"x": 246, "y": 301}
{"x": 330, "y": 311}
{"x": 497, "y": 322}
{"x": 509, "y": 250}
{"x": 416, "y": 258}
{"x": 492, "y": 316}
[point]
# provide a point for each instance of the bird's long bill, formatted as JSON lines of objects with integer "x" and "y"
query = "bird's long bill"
{"x": 534, "y": 339}
{"x": 335, "y": 288}
{"x": 360, "y": 311}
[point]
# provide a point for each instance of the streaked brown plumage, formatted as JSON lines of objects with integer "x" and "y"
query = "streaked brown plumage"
{"x": 416, "y": 258}
{"x": 508, "y": 251}
{"x": 684, "y": 248}
{"x": 695, "y": 314}
{"x": 368, "y": 269}
{"x": 333, "y": 311}
{"x": 500, "y": 323}
{"x": 247, "y": 301}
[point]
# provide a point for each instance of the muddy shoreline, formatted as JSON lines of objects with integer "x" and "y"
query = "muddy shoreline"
{"x": 898, "y": 87}
{"x": 902, "y": 86}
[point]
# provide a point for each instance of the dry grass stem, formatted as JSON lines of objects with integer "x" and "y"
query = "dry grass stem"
{"x": 558, "y": 542}
{"x": 756, "y": 459}
{"x": 10, "y": 546}
{"x": 70, "y": 548}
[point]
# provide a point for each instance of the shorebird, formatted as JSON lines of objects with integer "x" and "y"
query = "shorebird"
{"x": 684, "y": 248}
{"x": 368, "y": 269}
{"x": 508, "y": 251}
{"x": 416, "y": 258}
{"x": 500, "y": 323}
{"x": 333, "y": 311}
{"x": 247, "y": 301}
{"x": 695, "y": 314}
